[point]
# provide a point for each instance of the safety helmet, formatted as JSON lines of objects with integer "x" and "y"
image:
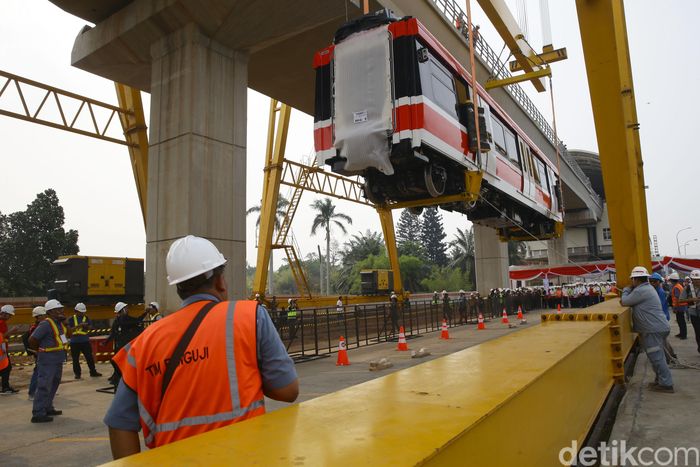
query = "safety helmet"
{"x": 80, "y": 307}
{"x": 289, "y": 300}
{"x": 9, "y": 309}
{"x": 639, "y": 271}
{"x": 656, "y": 277}
{"x": 52, "y": 305}
{"x": 434, "y": 292}
{"x": 119, "y": 307}
{"x": 191, "y": 256}
{"x": 461, "y": 291}
{"x": 38, "y": 311}
{"x": 695, "y": 274}
{"x": 444, "y": 292}
{"x": 257, "y": 295}
{"x": 154, "y": 305}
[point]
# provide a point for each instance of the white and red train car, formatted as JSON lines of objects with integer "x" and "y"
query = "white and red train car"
{"x": 394, "y": 106}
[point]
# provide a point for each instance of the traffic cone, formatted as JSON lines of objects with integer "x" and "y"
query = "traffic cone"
{"x": 558, "y": 308}
{"x": 444, "y": 334}
{"x": 504, "y": 319}
{"x": 342, "y": 353}
{"x": 481, "y": 324}
{"x": 520, "y": 313}
{"x": 402, "y": 340}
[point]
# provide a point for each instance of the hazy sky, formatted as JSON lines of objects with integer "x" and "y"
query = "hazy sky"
{"x": 95, "y": 184}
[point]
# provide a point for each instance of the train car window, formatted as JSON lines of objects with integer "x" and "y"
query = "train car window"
{"x": 543, "y": 174}
{"x": 443, "y": 88}
{"x": 533, "y": 166}
{"x": 499, "y": 138}
{"x": 511, "y": 148}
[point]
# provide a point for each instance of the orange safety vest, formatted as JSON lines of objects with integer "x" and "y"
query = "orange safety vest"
{"x": 676, "y": 302}
{"x": 4, "y": 359}
{"x": 217, "y": 382}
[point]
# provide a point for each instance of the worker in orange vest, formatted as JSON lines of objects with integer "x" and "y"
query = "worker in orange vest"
{"x": 228, "y": 349}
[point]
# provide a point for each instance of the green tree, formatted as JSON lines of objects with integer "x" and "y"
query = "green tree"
{"x": 432, "y": 234}
{"x": 325, "y": 217}
{"x": 358, "y": 248}
{"x": 462, "y": 254}
{"x": 280, "y": 213}
{"x": 408, "y": 228}
{"x": 30, "y": 241}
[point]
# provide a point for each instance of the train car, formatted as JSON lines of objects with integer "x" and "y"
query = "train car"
{"x": 98, "y": 280}
{"x": 395, "y": 107}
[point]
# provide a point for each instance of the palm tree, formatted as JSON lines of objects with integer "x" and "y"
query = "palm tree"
{"x": 280, "y": 212}
{"x": 463, "y": 252}
{"x": 325, "y": 216}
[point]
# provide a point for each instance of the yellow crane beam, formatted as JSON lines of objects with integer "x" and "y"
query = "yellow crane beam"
{"x": 606, "y": 53}
{"x": 133, "y": 123}
{"x": 502, "y": 19}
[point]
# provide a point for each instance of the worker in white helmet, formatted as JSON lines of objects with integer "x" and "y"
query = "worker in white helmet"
{"x": 80, "y": 325}
{"x": 6, "y": 313}
{"x": 153, "y": 312}
{"x": 125, "y": 328}
{"x": 50, "y": 342}
{"x": 208, "y": 365}
{"x": 679, "y": 307}
{"x": 39, "y": 315}
{"x": 691, "y": 296}
{"x": 651, "y": 324}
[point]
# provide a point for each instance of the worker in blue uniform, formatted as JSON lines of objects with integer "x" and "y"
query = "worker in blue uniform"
{"x": 80, "y": 325}
{"x": 49, "y": 341}
{"x": 656, "y": 281}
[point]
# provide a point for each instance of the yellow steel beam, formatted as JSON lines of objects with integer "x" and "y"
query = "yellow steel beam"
{"x": 550, "y": 379}
{"x": 499, "y": 83}
{"x": 319, "y": 181}
{"x": 502, "y": 19}
{"x": 606, "y": 53}
{"x": 278, "y": 126}
{"x": 57, "y": 109}
{"x": 387, "y": 221}
{"x": 133, "y": 123}
{"x": 548, "y": 55}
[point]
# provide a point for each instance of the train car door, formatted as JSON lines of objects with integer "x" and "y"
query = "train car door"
{"x": 528, "y": 172}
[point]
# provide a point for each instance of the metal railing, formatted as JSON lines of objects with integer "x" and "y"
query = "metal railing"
{"x": 454, "y": 15}
{"x": 314, "y": 333}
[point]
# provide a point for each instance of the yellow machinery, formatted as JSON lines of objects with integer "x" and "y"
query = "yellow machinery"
{"x": 98, "y": 280}
{"x": 376, "y": 281}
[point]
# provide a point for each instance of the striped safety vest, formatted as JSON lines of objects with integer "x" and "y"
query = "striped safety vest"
{"x": 60, "y": 346}
{"x": 78, "y": 321}
{"x": 217, "y": 382}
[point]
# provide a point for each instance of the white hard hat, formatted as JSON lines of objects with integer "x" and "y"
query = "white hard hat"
{"x": 9, "y": 309}
{"x": 52, "y": 305}
{"x": 289, "y": 300}
{"x": 461, "y": 291}
{"x": 154, "y": 305}
{"x": 38, "y": 311}
{"x": 640, "y": 271}
{"x": 80, "y": 307}
{"x": 119, "y": 307}
{"x": 257, "y": 295}
{"x": 191, "y": 256}
{"x": 695, "y": 274}
{"x": 444, "y": 291}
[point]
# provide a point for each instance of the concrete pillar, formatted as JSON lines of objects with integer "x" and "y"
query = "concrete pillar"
{"x": 491, "y": 260}
{"x": 557, "y": 252}
{"x": 197, "y": 159}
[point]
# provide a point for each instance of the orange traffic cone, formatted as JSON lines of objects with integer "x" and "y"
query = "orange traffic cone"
{"x": 342, "y": 353}
{"x": 402, "y": 340}
{"x": 444, "y": 334}
{"x": 558, "y": 308}
{"x": 481, "y": 324}
{"x": 520, "y": 313}
{"x": 504, "y": 319}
